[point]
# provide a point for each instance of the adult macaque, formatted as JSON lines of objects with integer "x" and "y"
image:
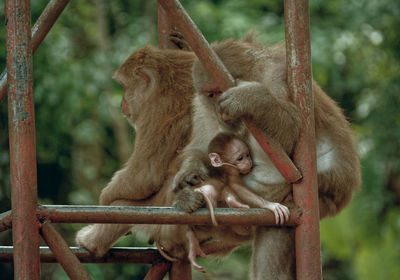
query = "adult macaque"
{"x": 231, "y": 157}
{"x": 262, "y": 94}
{"x": 157, "y": 101}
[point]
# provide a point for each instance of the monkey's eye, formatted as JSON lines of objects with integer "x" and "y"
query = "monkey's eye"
{"x": 210, "y": 95}
{"x": 248, "y": 155}
{"x": 240, "y": 159}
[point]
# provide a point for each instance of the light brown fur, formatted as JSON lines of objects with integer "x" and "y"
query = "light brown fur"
{"x": 262, "y": 94}
{"x": 160, "y": 130}
{"x": 157, "y": 100}
{"x": 158, "y": 93}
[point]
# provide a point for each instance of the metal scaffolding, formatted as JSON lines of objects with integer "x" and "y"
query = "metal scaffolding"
{"x": 28, "y": 220}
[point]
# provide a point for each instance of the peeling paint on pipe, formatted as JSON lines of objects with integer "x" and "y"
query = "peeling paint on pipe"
{"x": 39, "y": 31}
{"x": 22, "y": 140}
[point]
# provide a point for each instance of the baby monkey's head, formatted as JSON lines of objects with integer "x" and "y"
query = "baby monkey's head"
{"x": 226, "y": 149}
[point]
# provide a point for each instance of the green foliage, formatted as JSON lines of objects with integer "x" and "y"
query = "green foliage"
{"x": 355, "y": 59}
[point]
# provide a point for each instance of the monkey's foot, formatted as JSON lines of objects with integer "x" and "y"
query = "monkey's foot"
{"x": 99, "y": 238}
{"x": 86, "y": 238}
{"x": 164, "y": 253}
{"x": 194, "y": 251}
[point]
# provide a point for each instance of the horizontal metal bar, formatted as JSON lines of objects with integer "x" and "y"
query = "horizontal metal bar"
{"x": 114, "y": 255}
{"x": 159, "y": 215}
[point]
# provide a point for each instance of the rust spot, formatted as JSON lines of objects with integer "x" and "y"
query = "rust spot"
{"x": 18, "y": 111}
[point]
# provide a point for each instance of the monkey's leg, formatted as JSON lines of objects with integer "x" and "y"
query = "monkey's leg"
{"x": 99, "y": 238}
{"x": 273, "y": 254}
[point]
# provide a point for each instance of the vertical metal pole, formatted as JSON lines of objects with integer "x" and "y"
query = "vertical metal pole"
{"x": 298, "y": 53}
{"x": 39, "y": 31}
{"x": 180, "y": 270}
{"x": 22, "y": 140}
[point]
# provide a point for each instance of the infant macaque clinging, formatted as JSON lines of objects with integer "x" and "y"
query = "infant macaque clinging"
{"x": 231, "y": 157}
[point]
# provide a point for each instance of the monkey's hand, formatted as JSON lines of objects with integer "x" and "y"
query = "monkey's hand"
{"x": 178, "y": 40}
{"x": 242, "y": 99}
{"x": 188, "y": 200}
{"x": 281, "y": 212}
{"x": 192, "y": 172}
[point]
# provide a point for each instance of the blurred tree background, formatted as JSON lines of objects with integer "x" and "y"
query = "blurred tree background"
{"x": 82, "y": 138}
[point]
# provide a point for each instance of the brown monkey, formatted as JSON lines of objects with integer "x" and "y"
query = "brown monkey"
{"x": 231, "y": 156}
{"x": 157, "y": 100}
{"x": 146, "y": 81}
{"x": 262, "y": 94}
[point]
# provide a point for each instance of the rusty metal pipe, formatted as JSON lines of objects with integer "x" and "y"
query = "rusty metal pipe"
{"x": 180, "y": 271}
{"x": 21, "y": 122}
{"x": 159, "y": 215}
{"x": 305, "y": 193}
{"x": 165, "y": 27}
{"x": 114, "y": 255}
{"x": 39, "y": 31}
{"x": 218, "y": 71}
{"x": 68, "y": 260}
{"x": 158, "y": 271}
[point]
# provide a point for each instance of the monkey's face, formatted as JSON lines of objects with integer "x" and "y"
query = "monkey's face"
{"x": 138, "y": 87}
{"x": 238, "y": 154}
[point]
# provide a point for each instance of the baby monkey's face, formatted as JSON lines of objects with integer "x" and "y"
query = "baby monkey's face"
{"x": 238, "y": 154}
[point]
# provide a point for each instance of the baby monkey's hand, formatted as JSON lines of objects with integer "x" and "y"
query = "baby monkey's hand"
{"x": 281, "y": 212}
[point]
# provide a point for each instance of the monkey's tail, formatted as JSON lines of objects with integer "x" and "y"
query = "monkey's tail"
{"x": 164, "y": 254}
{"x": 211, "y": 208}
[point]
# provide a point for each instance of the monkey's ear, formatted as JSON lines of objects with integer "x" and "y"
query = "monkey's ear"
{"x": 215, "y": 159}
{"x": 145, "y": 74}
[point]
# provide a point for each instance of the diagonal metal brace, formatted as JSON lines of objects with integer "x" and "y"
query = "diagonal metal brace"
{"x": 39, "y": 31}
{"x": 217, "y": 69}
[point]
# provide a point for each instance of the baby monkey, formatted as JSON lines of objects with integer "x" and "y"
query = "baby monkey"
{"x": 231, "y": 157}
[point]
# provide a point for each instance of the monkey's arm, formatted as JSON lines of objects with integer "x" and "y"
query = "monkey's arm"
{"x": 280, "y": 211}
{"x": 276, "y": 116}
{"x": 244, "y": 193}
{"x": 192, "y": 171}
{"x": 138, "y": 180}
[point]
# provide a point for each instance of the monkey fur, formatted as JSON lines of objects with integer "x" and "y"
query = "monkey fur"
{"x": 158, "y": 93}
{"x": 261, "y": 92}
